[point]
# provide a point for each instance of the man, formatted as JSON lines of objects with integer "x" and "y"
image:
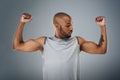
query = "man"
{"x": 61, "y": 52}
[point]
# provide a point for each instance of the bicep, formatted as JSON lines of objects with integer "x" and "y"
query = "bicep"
{"x": 29, "y": 46}
{"x": 91, "y": 47}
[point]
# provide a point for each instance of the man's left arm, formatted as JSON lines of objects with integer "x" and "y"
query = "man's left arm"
{"x": 91, "y": 47}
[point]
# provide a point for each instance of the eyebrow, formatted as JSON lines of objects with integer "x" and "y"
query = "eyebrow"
{"x": 69, "y": 23}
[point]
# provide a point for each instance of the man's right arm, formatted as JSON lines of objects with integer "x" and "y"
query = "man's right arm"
{"x": 29, "y": 45}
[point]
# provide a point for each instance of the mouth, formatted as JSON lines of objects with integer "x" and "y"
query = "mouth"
{"x": 70, "y": 32}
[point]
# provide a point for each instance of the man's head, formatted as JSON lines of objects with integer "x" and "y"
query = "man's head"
{"x": 63, "y": 25}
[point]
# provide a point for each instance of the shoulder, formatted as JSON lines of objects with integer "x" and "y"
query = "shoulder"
{"x": 41, "y": 40}
{"x": 80, "y": 40}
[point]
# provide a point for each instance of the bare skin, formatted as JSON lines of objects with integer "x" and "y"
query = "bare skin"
{"x": 63, "y": 29}
{"x": 29, "y": 45}
{"x": 91, "y": 47}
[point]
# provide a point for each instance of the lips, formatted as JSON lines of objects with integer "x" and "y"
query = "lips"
{"x": 71, "y": 32}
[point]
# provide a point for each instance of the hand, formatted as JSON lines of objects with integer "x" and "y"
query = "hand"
{"x": 100, "y": 20}
{"x": 26, "y": 18}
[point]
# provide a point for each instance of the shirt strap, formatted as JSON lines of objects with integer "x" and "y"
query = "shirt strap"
{"x": 45, "y": 40}
{"x": 77, "y": 39}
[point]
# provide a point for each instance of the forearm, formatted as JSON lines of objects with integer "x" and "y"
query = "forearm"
{"x": 103, "y": 40}
{"x": 18, "y": 38}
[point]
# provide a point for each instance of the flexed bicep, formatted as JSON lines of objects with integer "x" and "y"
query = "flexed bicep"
{"x": 31, "y": 45}
{"x": 28, "y": 46}
{"x": 91, "y": 47}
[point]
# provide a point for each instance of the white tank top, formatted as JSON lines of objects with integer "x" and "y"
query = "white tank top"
{"x": 61, "y": 59}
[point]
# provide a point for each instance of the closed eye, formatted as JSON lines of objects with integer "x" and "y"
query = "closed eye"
{"x": 68, "y": 25}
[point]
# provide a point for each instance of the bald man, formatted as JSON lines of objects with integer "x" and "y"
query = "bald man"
{"x": 60, "y": 52}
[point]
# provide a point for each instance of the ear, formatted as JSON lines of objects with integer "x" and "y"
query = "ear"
{"x": 56, "y": 25}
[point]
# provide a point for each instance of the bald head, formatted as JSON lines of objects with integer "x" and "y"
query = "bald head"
{"x": 59, "y": 16}
{"x": 63, "y": 26}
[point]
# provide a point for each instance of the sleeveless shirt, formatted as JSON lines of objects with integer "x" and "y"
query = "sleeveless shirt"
{"x": 61, "y": 59}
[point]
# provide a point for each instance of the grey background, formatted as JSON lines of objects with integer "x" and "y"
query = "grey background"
{"x": 16, "y": 65}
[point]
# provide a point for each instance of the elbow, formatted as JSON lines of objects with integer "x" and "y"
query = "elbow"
{"x": 103, "y": 51}
{"x": 15, "y": 47}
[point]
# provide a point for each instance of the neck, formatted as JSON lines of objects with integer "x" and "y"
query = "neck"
{"x": 59, "y": 36}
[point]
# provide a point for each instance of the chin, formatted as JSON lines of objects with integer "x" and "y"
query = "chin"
{"x": 68, "y": 36}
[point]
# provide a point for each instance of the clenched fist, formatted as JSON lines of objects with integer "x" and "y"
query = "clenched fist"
{"x": 100, "y": 20}
{"x": 26, "y": 17}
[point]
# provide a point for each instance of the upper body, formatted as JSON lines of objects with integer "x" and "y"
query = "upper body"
{"x": 63, "y": 29}
{"x": 60, "y": 53}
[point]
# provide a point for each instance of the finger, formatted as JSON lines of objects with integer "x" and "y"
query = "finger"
{"x": 26, "y": 16}
{"x": 99, "y": 18}
{"x": 104, "y": 20}
{"x": 23, "y": 16}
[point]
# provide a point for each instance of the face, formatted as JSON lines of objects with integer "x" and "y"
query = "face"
{"x": 65, "y": 27}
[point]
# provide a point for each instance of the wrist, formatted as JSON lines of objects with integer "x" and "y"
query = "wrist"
{"x": 22, "y": 22}
{"x": 103, "y": 29}
{"x": 103, "y": 26}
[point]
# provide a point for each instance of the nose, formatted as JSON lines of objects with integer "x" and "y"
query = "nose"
{"x": 71, "y": 28}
